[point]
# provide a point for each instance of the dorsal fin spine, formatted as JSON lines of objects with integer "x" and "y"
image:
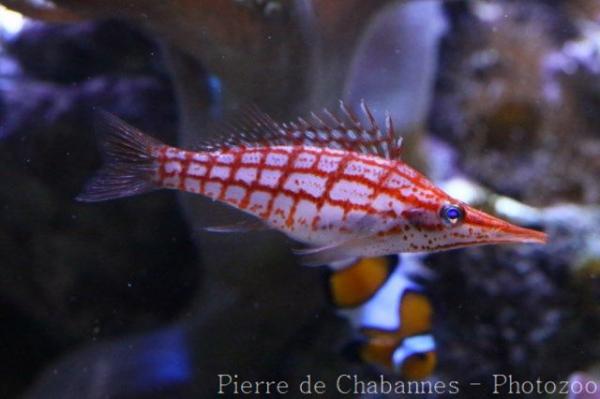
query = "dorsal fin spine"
{"x": 352, "y": 118}
{"x": 389, "y": 126}
{"x": 318, "y": 120}
{"x": 303, "y": 123}
{"x": 367, "y": 112}
{"x": 343, "y": 130}
{"x": 331, "y": 116}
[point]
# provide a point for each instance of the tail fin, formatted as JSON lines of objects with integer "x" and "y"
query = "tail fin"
{"x": 129, "y": 165}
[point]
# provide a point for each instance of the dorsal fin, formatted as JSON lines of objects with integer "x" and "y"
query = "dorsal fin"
{"x": 345, "y": 131}
{"x": 250, "y": 128}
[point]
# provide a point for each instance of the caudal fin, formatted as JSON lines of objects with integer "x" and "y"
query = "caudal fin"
{"x": 129, "y": 165}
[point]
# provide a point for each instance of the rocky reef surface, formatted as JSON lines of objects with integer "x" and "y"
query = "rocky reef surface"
{"x": 75, "y": 274}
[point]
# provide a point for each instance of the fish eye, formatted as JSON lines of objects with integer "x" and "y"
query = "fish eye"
{"x": 452, "y": 215}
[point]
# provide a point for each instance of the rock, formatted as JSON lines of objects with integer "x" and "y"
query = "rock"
{"x": 76, "y": 273}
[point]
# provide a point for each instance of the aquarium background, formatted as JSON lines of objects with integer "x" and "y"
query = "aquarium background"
{"x": 497, "y": 102}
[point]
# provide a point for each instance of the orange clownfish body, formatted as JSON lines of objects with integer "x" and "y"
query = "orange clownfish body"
{"x": 391, "y": 312}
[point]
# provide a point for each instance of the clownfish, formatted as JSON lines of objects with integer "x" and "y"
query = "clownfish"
{"x": 391, "y": 312}
{"x": 339, "y": 187}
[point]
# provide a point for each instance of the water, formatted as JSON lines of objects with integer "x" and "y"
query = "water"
{"x": 132, "y": 299}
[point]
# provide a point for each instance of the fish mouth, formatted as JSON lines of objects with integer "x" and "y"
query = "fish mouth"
{"x": 512, "y": 234}
{"x": 517, "y": 235}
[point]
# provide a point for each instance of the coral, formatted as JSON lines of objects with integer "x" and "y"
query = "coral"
{"x": 496, "y": 103}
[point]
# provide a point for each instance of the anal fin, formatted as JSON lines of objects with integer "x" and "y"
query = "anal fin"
{"x": 241, "y": 227}
{"x": 328, "y": 254}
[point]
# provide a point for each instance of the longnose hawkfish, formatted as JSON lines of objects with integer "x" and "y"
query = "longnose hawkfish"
{"x": 336, "y": 184}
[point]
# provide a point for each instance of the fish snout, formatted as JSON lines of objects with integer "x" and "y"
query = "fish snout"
{"x": 497, "y": 231}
